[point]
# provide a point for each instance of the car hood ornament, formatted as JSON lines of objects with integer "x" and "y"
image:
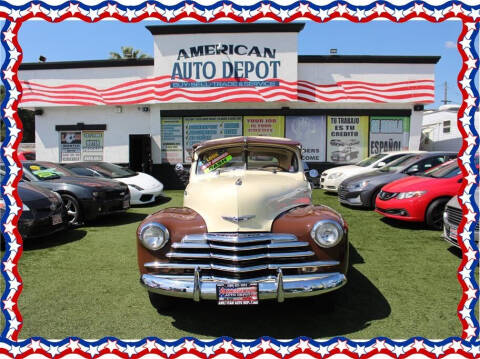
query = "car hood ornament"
{"x": 239, "y": 219}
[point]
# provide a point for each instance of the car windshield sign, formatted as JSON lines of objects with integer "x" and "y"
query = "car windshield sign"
{"x": 46, "y": 172}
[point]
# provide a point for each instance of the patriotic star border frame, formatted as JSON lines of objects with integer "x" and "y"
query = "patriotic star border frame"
{"x": 467, "y": 346}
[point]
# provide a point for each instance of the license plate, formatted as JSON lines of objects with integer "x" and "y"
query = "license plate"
{"x": 126, "y": 203}
{"x": 57, "y": 219}
{"x": 237, "y": 294}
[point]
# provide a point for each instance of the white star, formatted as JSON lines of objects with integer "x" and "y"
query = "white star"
{"x": 456, "y": 9}
{"x": 130, "y": 350}
{"x": 471, "y": 139}
{"x": 111, "y": 345}
{"x": 169, "y": 14}
{"x": 93, "y": 14}
{"x": 149, "y": 345}
{"x": 303, "y": 8}
{"x": 360, "y": 350}
{"x": 245, "y": 350}
{"x": 465, "y": 82}
{"x": 14, "y": 350}
{"x": 34, "y": 8}
{"x": 73, "y": 8}
{"x": 265, "y": 9}
{"x": 323, "y": 350}
{"x": 283, "y": 14}
{"x": 34, "y": 345}
{"x": 379, "y": 8}
{"x": 189, "y": 345}
{"x": 150, "y": 8}
{"x": 323, "y": 14}
{"x": 8, "y": 189}
{"x": 341, "y": 9}
{"x": 14, "y": 284}
{"x": 471, "y": 63}
{"x": 227, "y": 9}
{"x": 8, "y": 35}
{"x": 360, "y": 14}
{"x": 265, "y": 345}
{"x": 52, "y": 350}
{"x": 475, "y": 350}
{"x": 465, "y": 43}
{"x": 227, "y": 345}
{"x": 418, "y": 345}
{"x": 245, "y": 13}
{"x": 208, "y": 14}
{"x": 465, "y": 273}
{"x": 471, "y": 254}
{"x": 169, "y": 350}
{"x": 15, "y": 14}
{"x": 14, "y": 246}
{"x": 437, "y": 350}
{"x": 189, "y": 8}
{"x": 379, "y": 344}
{"x": 471, "y": 216}
{"x": 8, "y": 74}
{"x": 73, "y": 345}
{"x": 475, "y": 13}
{"x": 437, "y": 14}
{"x": 14, "y": 54}
{"x": 398, "y": 14}
{"x": 53, "y": 14}
{"x": 470, "y": 101}
{"x": 342, "y": 345}
{"x": 283, "y": 350}
{"x": 398, "y": 350}
{"x": 112, "y": 9}
{"x": 208, "y": 350}
{"x": 456, "y": 345}
{"x": 130, "y": 14}
{"x": 465, "y": 198}
{"x": 14, "y": 323}
{"x": 465, "y": 235}
{"x": 9, "y": 112}
{"x": 418, "y": 8}
{"x": 8, "y": 151}
{"x": 465, "y": 313}
{"x": 465, "y": 158}
{"x": 8, "y": 304}
{"x": 93, "y": 350}
{"x": 14, "y": 169}
{"x": 303, "y": 345}
{"x": 9, "y": 227}
{"x": 471, "y": 26}
{"x": 470, "y": 331}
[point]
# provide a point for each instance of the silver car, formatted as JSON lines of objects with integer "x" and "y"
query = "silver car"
{"x": 452, "y": 218}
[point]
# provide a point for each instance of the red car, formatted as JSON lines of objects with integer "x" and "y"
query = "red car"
{"x": 421, "y": 198}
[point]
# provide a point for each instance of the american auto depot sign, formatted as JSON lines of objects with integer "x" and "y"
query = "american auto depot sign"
{"x": 196, "y": 63}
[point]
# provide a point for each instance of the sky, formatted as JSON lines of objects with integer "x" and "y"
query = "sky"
{"x": 76, "y": 40}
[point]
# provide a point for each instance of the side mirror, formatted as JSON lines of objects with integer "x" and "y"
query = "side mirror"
{"x": 411, "y": 171}
{"x": 313, "y": 173}
{"x": 179, "y": 167}
{"x": 380, "y": 164}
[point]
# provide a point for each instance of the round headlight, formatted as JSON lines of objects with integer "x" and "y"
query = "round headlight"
{"x": 154, "y": 236}
{"x": 327, "y": 233}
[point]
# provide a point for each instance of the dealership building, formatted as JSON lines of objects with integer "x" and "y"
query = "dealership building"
{"x": 221, "y": 80}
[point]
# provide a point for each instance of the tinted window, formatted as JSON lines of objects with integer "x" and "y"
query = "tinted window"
{"x": 81, "y": 171}
{"x": 369, "y": 160}
{"x": 426, "y": 164}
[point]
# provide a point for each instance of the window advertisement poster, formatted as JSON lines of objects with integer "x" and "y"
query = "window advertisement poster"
{"x": 347, "y": 138}
{"x": 199, "y": 129}
{"x": 264, "y": 126}
{"x": 310, "y": 131}
{"x": 70, "y": 146}
{"x": 172, "y": 140}
{"x": 92, "y": 145}
{"x": 389, "y": 134}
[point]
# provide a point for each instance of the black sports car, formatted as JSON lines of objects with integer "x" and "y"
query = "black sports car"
{"x": 85, "y": 198}
{"x": 362, "y": 190}
{"x": 43, "y": 212}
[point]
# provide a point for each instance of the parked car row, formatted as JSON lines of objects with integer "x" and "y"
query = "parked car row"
{"x": 55, "y": 197}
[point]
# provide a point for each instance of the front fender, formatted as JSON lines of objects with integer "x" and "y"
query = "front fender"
{"x": 300, "y": 222}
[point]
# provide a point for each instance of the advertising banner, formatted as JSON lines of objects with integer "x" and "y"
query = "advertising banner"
{"x": 310, "y": 131}
{"x": 172, "y": 140}
{"x": 92, "y": 145}
{"x": 347, "y": 138}
{"x": 199, "y": 129}
{"x": 264, "y": 126}
{"x": 389, "y": 134}
{"x": 70, "y": 146}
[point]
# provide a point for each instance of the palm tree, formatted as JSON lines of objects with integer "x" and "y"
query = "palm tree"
{"x": 128, "y": 53}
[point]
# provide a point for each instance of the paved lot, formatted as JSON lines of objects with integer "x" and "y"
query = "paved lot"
{"x": 85, "y": 283}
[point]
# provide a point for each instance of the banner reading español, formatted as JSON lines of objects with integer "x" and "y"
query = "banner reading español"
{"x": 347, "y": 138}
{"x": 264, "y": 126}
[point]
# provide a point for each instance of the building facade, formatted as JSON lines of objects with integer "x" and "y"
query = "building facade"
{"x": 211, "y": 81}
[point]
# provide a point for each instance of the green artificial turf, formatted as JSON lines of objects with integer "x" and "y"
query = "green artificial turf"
{"x": 84, "y": 283}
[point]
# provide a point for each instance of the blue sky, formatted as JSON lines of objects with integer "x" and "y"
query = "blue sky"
{"x": 76, "y": 40}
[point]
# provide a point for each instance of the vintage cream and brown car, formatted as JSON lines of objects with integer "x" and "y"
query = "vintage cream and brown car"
{"x": 248, "y": 230}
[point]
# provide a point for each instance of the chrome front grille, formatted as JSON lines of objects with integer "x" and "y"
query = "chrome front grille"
{"x": 385, "y": 196}
{"x": 237, "y": 255}
{"x": 342, "y": 192}
{"x": 455, "y": 216}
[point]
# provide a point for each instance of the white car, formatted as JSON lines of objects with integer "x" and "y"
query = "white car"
{"x": 331, "y": 178}
{"x": 143, "y": 187}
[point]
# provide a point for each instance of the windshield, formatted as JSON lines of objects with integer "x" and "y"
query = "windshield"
{"x": 401, "y": 163}
{"x": 47, "y": 170}
{"x": 445, "y": 170}
{"x": 251, "y": 158}
{"x": 112, "y": 171}
{"x": 369, "y": 160}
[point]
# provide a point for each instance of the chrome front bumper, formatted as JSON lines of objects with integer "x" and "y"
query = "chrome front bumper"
{"x": 277, "y": 287}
